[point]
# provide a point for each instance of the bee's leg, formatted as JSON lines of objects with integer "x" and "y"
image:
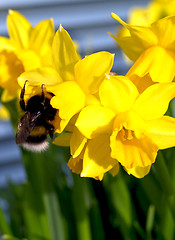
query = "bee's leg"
{"x": 22, "y": 102}
{"x": 50, "y": 129}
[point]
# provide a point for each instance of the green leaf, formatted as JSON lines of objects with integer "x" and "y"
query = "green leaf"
{"x": 166, "y": 222}
{"x": 120, "y": 200}
{"x": 4, "y": 226}
{"x": 55, "y": 220}
{"x": 35, "y": 218}
{"x": 41, "y": 172}
{"x": 80, "y": 209}
{"x": 163, "y": 176}
{"x": 150, "y": 220}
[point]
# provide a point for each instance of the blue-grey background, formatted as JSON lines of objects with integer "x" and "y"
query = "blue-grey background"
{"x": 88, "y": 22}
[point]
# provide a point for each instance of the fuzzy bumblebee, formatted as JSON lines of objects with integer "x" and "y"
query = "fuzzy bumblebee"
{"x": 36, "y": 123}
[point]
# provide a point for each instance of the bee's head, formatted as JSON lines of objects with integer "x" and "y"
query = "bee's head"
{"x": 35, "y": 104}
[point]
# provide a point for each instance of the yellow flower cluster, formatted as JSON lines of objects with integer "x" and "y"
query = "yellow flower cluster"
{"x": 107, "y": 120}
{"x": 26, "y": 48}
{"x": 145, "y": 16}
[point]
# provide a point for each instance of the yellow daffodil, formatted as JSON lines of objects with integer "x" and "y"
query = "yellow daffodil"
{"x": 26, "y": 48}
{"x": 145, "y": 16}
{"x": 91, "y": 157}
{"x": 163, "y": 7}
{"x": 151, "y": 48}
{"x": 73, "y": 81}
{"x": 128, "y": 127}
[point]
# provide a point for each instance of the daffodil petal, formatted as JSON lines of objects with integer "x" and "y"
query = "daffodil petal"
{"x": 166, "y": 26}
{"x": 142, "y": 35}
{"x": 114, "y": 171}
{"x": 90, "y": 71}
{"x": 10, "y": 69}
{"x": 69, "y": 99}
{"x": 6, "y": 43}
{"x": 117, "y": 18}
{"x": 162, "y": 131}
{"x": 118, "y": 93}
{"x": 4, "y": 113}
{"x": 77, "y": 143}
{"x": 19, "y": 29}
{"x": 64, "y": 54}
{"x": 76, "y": 164}
{"x": 58, "y": 124}
{"x": 158, "y": 62}
{"x": 25, "y": 56}
{"x": 133, "y": 153}
{"x": 42, "y": 36}
{"x": 63, "y": 139}
{"x": 44, "y": 75}
{"x": 92, "y": 99}
{"x": 154, "y": 101}
{"x": 139, "y": 172}
{"x": 133, "y": 51}
{"x": 97, "y": 159}
{"x": 94, "y": 120}
{"x": 71, "y": 125}
{"x": 8, "y": 96}
{"x": 141, "y": 82}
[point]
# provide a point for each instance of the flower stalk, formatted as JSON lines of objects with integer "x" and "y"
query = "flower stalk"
{"x": 80, "y": 208}
{"x": 4, "y": 226}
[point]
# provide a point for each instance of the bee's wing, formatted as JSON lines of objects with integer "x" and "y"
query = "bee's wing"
{"x": 26, "y": 125}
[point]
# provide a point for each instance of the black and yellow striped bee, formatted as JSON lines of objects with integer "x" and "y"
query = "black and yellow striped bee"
{"x": 36, "y": 123}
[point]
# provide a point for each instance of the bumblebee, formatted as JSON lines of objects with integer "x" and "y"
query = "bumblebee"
{"x": 36, "y": 123}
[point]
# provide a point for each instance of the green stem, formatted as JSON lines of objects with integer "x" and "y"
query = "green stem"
{"x": 81, "y": 211}
{"x": 4, "y": 226}
{"x": 54, "y": 216}
{"x": 161, "y": 171}
{"x": 120, "y": 200}
{"x": 150, "y": 221}
{"x": 40, "y": 171}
